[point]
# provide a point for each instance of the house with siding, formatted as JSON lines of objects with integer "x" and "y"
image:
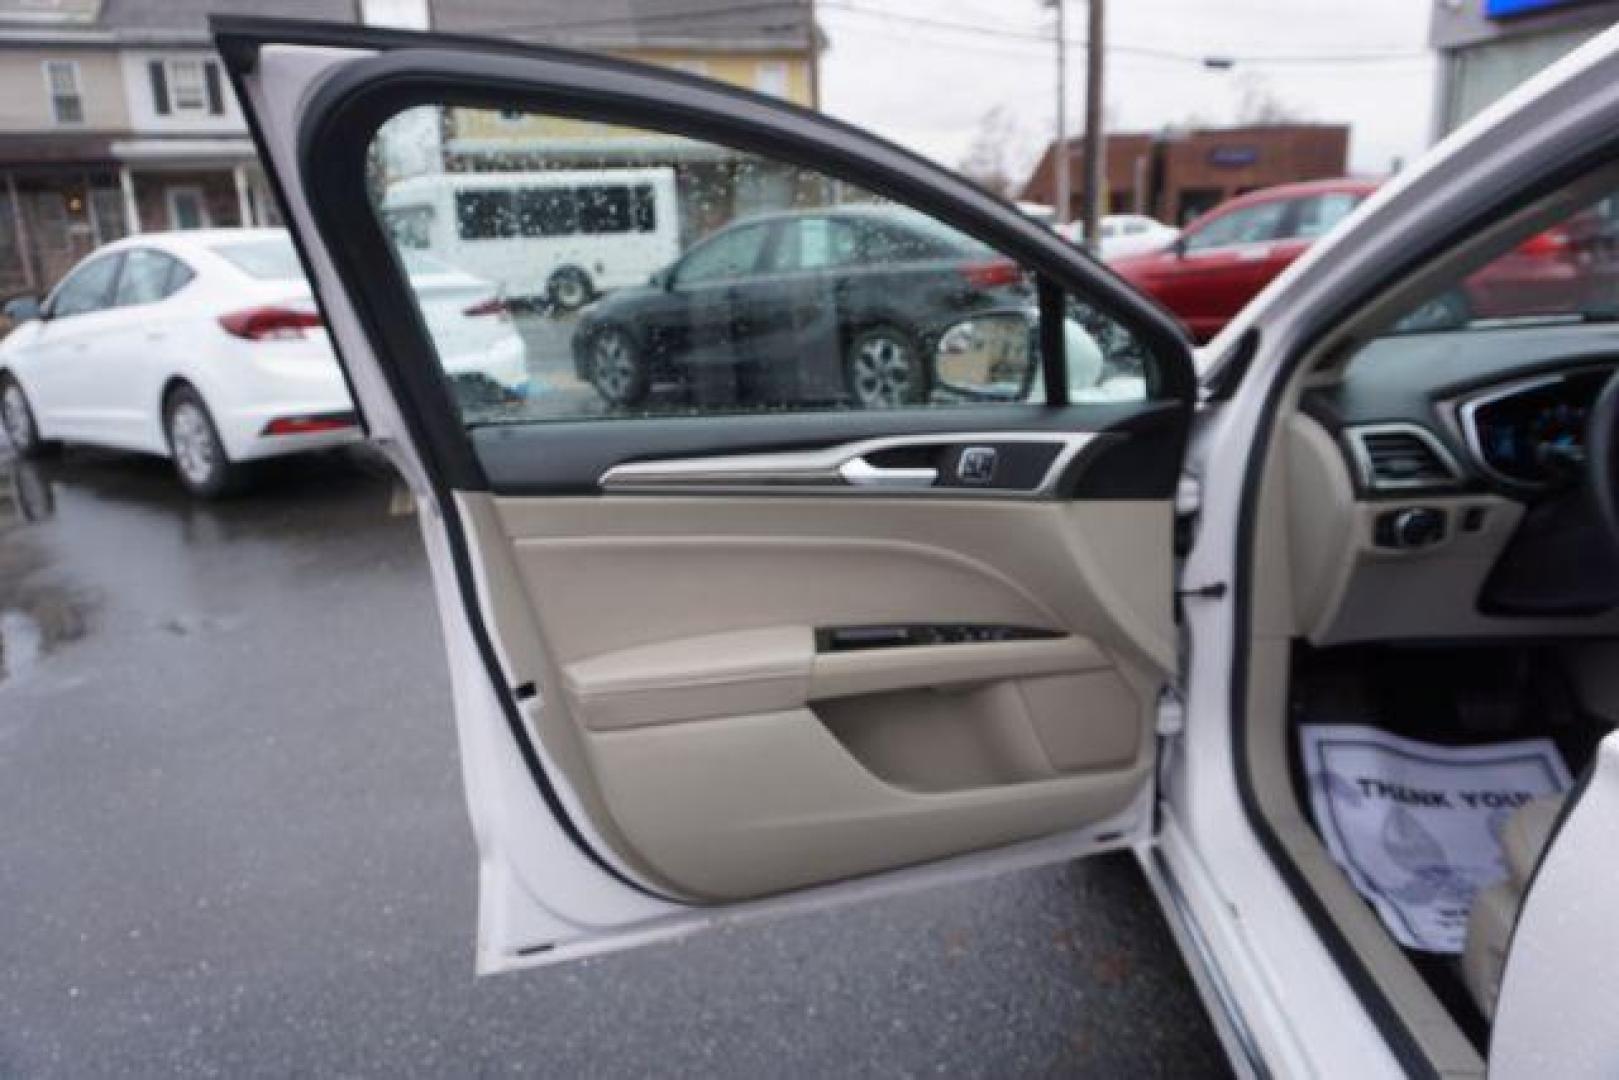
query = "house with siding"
{"x": 115, "y": 117}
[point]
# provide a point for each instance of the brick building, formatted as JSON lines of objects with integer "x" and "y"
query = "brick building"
{"x": 1177, "y": 175}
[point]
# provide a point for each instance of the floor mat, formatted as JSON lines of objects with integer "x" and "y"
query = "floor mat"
{"x": 1416, "y": 826}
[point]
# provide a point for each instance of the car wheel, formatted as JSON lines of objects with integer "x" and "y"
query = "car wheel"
{"x": 17, "y": 417}
{"x": 884, "y": 369}
{"x": 616, "y": 367}
{"x": 569, "y": 289}
{"x": 199, "y": 457}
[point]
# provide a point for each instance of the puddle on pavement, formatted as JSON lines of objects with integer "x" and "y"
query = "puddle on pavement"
{"x": 34, "y": 624}
{"x": 36, "y": 617}
{"x": 297, "y": 504}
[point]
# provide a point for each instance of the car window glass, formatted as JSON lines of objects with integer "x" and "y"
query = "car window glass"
{"x": 547, "y": 211}
{"x": 180, "y": 275}
{"x": 147, "y": 277}
{"x": 725, "y": 257}
{"x": 411, "y": 226}
{"x": 604, "y": 209}
{"x": 1567, "y": 272}
{"x": 610, "y": 273}
{"x": 269, "y": 259}
{"x": 87, "y": 289}
{"x": 1245, "y": 225}
{"x": 1317, "y": 215}
{"x": 813, "y": 243}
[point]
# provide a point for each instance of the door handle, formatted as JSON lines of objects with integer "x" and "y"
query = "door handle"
{"x": 861, "y": 473}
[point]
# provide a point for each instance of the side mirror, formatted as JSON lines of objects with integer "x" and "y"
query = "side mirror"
{"x": 1179, "y": 246}
{"x": 20, "y": 309}
{"x": 663, "y": 279}
{"x": 989, "y": 357}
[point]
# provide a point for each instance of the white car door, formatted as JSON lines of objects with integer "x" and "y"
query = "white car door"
{"x": 1542, "y": 153}
{"x": 717, "y": 650}
{"x": 134, "y": 345}
{"x": 63, "y": 375}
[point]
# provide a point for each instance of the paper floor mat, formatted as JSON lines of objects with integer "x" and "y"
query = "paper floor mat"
{"x": 1416, "y": 826}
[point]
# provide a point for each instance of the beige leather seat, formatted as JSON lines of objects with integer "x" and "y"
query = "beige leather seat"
{"x": 1489, "y": 926}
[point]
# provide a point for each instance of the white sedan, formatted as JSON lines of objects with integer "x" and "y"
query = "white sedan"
{"x": 206, "y": 347}
{"x": 1127, "y": 234}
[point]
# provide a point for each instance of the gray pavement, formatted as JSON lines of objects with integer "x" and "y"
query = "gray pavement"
{"x": 235, "y": 845}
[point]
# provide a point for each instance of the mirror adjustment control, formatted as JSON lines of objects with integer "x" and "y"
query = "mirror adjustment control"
{"x": 1409, "y": 528}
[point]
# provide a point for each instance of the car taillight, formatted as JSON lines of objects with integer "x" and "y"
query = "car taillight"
{"x": 992, "y": 275}
{"x": 269, "y": 323}
{"x": 310, "y": 425}
{"x": 492, "y": 306}
{"x": 1546, "y": 244}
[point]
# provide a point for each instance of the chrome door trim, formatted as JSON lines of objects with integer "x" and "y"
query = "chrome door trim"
{"x": 838, "y": 470}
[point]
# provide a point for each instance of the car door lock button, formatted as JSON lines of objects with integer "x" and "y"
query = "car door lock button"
{"x": 976, "y": 465}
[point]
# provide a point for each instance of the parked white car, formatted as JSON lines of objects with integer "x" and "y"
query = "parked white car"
{"x": 1319, "y": 624}
{"x": 1126, "y": 234}
{"x": 206, "y": 347}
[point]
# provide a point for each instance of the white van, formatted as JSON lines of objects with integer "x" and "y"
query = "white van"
{"x": 563, "y": 236}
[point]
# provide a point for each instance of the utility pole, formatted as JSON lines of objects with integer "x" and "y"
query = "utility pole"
{"x": 1060, "y": 149}
{"x": 1095, "y": 140}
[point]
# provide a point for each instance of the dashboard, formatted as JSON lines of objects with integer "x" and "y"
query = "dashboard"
{"x": 1436, "y": 489}
{"x": 1504, "y": 410}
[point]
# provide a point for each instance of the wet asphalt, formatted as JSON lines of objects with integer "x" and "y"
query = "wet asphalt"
{"x": 234, "y": 843}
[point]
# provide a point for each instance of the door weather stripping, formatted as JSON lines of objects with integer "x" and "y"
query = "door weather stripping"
{"x": 842, "y": 470}
{"x": 1213, "y": 987}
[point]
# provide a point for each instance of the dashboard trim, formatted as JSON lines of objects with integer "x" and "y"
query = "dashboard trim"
{"x": 1467, "y": 410}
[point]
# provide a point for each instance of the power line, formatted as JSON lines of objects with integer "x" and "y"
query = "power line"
{"x": 1045, "y": 39}
{"x": 1024, "y": 38}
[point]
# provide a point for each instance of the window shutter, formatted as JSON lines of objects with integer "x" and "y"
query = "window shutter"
{"x": 216, "y": 95}
{"x": 160, "y": 87}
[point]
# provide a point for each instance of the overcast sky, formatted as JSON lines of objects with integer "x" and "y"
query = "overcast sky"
{"x": 924, "y": 72}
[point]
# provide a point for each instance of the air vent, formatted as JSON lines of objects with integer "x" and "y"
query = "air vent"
{"x": 1395, "y": 457}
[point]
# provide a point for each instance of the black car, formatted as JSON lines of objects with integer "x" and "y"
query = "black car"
{"x": 762, "y": 311}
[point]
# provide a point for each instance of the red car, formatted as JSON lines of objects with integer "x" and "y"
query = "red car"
{"x": 1570, "y": 269}
{"x": 1222, "y": 259}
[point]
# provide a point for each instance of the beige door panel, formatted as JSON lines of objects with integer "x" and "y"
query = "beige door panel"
{"x": 746, "y": 806}
{"x": 725, "y": 758}
{"x": 777, "y": 668}
{"x": 1095, "y": 569}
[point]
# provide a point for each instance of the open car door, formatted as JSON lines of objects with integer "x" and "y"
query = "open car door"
{"x": 834, "y": 557}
